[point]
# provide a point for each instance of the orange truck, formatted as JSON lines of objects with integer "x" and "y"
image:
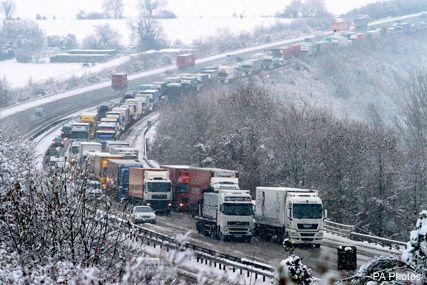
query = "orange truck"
{"x": 91, "y": 120}
{"x": 100, "y": 161}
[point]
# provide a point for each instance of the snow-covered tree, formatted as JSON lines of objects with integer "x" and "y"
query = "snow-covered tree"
{"x": 9, "y": 8}
{"x": 292, "y": 271}
{"x": 105, "y": 37}
{"x": 114, "y": 8}
{"x": 416, "y": 252}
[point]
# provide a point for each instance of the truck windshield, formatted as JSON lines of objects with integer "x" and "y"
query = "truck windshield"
{"x": 79, "y": 135}
{"x": 307, "y": 211}
{"x": 237, "y": 209}
{"x": 75, "y": 149}
{"x": 125, "y": 178}
{"x": 183, "y": 188}
{"x": 159, "y": 186}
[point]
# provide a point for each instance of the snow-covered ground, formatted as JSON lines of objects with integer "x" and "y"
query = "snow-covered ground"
{"x": 196, "y": 19}
{"x": 19, "y": 74}
{"x": 184, "y": 29}
{"x": 183, "y": 8}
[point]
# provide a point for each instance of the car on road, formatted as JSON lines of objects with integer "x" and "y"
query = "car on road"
{"x": 94, "y": 189}
{"x": 143, "y": 214}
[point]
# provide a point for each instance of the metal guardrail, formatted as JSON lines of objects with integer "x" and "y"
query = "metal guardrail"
{"x": 203, "y": 255}
{"x": 378, "y": 240}
{"x": 338, "y": 229}
{"x": 349, "y": 231}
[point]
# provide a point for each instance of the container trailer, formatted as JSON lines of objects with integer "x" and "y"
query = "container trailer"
{"x": 119, "y": 81}
{"x": 111, "y": 144}
{"x": 86, "y": 147}
{"x": 185, "y": 60}
{"x": 202, "y": 178}
{"x": 118, "y": 175}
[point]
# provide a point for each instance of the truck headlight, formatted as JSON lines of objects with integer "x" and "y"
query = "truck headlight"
{"x": 170, "y": 204}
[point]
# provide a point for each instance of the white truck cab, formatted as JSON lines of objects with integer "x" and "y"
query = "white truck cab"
{"x": 226, "y": 213}
{"x": 296, "y": 214}
{"x": 158, "y": 190}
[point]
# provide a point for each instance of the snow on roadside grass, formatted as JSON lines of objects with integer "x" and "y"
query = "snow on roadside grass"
{"x": 373, "y": 248}
{"x": 185, "y": 260}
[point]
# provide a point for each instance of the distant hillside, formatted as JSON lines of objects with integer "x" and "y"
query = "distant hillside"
{"x": 365, "y": 82}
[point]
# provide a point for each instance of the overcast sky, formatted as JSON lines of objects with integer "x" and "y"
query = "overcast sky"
{"x": 183, "y": 8}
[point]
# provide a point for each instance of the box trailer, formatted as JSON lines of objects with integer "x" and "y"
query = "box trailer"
{"x": 185, "y": 60}
{"x": 119, "y": 81}
{"x": 201, "y": 179}
{"x": 296, "y": 214}
{"x": 118, "y": 175}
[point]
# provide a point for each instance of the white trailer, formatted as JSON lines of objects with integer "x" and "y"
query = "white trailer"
{"x": 138, "y": 105}
{"x": 111, "y": 144}
{"x": 296, "y": 214}
{"x": 227, "y": 74}
{"x": 126, "y": 152}
{"x": 87, "y": 147}
{"x": 226, "y": 214}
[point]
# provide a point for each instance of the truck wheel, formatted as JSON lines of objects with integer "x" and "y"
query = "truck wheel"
{"x": 219, "y": 235}
{"x": 199, "y": 227}
{"x": 317, "y": 245}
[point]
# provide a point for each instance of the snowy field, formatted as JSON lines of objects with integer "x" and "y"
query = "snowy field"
{"x": 195, "y": 20}
{"x": 183, "y": 8}
{"x": 19, "y": 74}
{"x": 184, "y": 29}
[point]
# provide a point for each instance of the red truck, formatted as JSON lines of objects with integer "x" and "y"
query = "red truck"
{"x": 340, "y": 25}
{"x": 180, "y": 178}
{"x": 119, "y": 81}
{"x": 292, "y": 50}
{"x": 185, "y": 60}
{"x": 201, "y": 179}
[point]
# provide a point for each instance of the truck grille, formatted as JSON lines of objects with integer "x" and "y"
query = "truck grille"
{"x": 238, "y": 231}
{"x": 307, "y": 239}
{"x": 159, "y": 196}
{"x": 307, "y": 226}
{"x": 238, "y": 223}
{"x": 307, "y": 234}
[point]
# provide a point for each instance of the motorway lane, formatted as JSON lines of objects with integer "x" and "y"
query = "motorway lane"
{"x": 135, "y": 79}
{"x": 258, "y": 250}
{"x": 22, "y": 115}
{"x": 135, "y": 136}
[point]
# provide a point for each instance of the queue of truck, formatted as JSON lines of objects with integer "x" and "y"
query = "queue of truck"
{"x": 219, "y": 207}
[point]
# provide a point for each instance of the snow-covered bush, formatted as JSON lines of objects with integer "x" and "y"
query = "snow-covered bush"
{"x": 416, "y": 252}
{"x": 383, "y": 267}
{"x": 293, "y": 271}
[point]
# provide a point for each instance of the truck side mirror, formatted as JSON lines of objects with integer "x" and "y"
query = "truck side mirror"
{"x": 290, "y": 214}
{"x": 325, "y": 214}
